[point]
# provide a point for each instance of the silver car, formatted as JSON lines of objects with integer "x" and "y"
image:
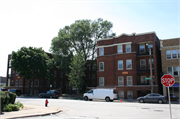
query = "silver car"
{"x": 153, "y": 97}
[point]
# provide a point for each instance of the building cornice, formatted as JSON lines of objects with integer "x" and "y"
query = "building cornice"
{"x": 169, "y": 47}
{"x": 114, "y": 45}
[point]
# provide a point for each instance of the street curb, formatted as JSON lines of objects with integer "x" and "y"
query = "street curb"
{"x": 36, "y": 115}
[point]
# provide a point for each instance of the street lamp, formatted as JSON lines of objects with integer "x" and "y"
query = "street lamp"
{"x": 150, "y": 69}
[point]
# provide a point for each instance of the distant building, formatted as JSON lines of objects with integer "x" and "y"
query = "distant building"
{"x": 170, "y": 55}
{"x": 60, "y": 81}
{"x": 124, "y": 64}
{"x": 2, "y": 81}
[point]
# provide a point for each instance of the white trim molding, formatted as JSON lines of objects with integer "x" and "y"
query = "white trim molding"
{"x": 125, "y": 43}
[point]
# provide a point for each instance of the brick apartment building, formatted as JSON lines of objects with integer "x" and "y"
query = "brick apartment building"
{"x": 60, "y": 81}
{"x": 170, "y": 55}
{"x": 124, "y": 62}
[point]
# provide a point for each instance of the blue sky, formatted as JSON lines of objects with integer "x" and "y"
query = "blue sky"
{"x": 36, "y": 22}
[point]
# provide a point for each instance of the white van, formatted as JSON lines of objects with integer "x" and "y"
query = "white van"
{"x": 103, "y": 94}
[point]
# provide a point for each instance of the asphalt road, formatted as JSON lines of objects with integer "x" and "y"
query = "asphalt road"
{"x": 79, "y": 109}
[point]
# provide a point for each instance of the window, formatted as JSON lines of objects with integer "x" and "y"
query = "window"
{"x": 141, "y": 48}
{"x": 120, "y": 65}
{"x": 16, "y": 73}
{"x": 101, "y": 81}
{"x": 31, "y": 83}
{"x": 152, "y": 61}
{"x": 143, "y": 81}
{"x": 101, "y": 66}
{"x": 54, "y": 84}
{"x": 128, "y": 64}
{"x": 129, "y": 80}
{"x": 130, "y": 94}
{"x": 175, "y": 70}
{"x": 20, "y": 83}
{"x": 41, "y": 83}
{"x": 12, "y": 82}
{"x": 169, "y": 70}
{"x": 178, "y": 53}
{"x": 48, "y": 83}
{"x": 143, "y": 64}
{"x": 121, "y": 94}
{"x": 61, "y": 84}
{"x": 168, "y": 54}
{"x": 120, "y": 81}
{"x": 16, "y": 83}
{"x": 120, "y": 50}
{"x": 55, "y": 73}
{"x": 101, "y": 51}
{"x": 174, "y": 54}
{"x": 94, "y": 76}
{"x": 150, "y": 46}
{"x": 9, "y": 63}
{"x": 128, "y": 48}
{"x": 61, "y": 74}
{"x": 36, "y": 83}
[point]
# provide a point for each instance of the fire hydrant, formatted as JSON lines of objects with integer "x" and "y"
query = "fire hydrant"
{"x": 46, "y": 103}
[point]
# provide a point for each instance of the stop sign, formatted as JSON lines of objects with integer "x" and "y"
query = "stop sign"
{"x": 167, "y": 80}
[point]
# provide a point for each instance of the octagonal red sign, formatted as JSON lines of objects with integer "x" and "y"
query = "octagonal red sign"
{"x": 167, "y": 80}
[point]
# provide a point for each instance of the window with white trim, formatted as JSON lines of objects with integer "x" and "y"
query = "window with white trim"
{"x": 101, "y": 66}
{"x": 128, "y": 48}
{"x": 54, "y": 84}
{"x": 36, "y": 83}
{"x": 120, "y": 81}
{"x": 150, "y": 46}
{"x": 120, "y": 49}
{"x": 130, "y": 94}
{"x": 120, "y": 65}
{"x": 129, "y": 80}
{"x": 16, "y": 83}
{"x": 12, "y": 82}
{"x": 168, "y": 54}
{"x": 55, "y": 73}
{"x": 143, "y": 81}
{"x": 128, "y": 64}
{"x": 169, "y": 70}
{"x": 20, "y": 83}
{"x": 121, "y": 94}
{"x": 142, "y": 48}
{"x": 178, "y": 53}
{"x": 143, "y": 64}
{"x": 152, "y": 61}
{"x": 173, "y": 70}
{"x": 101, "y": 81}
{"x": 48, "y": 83}
{"x": 174, "y": 54}
{"x": 101, "y": 51}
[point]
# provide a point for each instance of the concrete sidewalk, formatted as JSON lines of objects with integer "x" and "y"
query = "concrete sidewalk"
{"x": 30, "y": 111}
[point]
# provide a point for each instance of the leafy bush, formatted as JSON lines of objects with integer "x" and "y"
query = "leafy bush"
{"x": 19, "y": 104}
{"x": 11, "y": 107}
{"x": 12, "y": 97}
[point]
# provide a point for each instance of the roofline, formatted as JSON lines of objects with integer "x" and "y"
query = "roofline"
{"x": 170, "y": 38}
{"x": 128, "y": 35}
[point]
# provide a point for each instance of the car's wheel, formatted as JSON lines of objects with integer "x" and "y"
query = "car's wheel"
{"x": 107, "y": 99}
{"x": 18, "y": 93}
{"x": 160, "y": 101}
{"x": 50, "y": 96}
{"x": 141, "y": 100}
{"x": 40, "y": 96}
{"x": 86, "y": 98}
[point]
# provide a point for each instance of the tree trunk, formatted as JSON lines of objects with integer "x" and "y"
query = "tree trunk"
{"x": 29, "y": 86}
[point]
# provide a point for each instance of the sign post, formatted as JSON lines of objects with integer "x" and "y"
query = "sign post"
{"x": 167, "y": 80}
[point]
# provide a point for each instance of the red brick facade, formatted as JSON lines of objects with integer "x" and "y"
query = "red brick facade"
{"x": 110, "y": 58}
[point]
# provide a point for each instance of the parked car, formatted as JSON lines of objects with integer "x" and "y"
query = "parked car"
{"x": 50, "y": 94}
{"x": 102, "y": 94}
{"x": 3, "y": 89}
{"x": 16, "y": 91}
{"x": 153, "y": 97}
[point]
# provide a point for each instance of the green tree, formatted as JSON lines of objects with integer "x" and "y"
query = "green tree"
{"x": 32, "y": 62}
{"x": 77, "y": 68}
{"x": 80, "y": 36}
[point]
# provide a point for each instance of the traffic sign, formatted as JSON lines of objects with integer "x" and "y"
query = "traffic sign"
{"x": 167, "y": 80}
{"x": 147, "y": 78}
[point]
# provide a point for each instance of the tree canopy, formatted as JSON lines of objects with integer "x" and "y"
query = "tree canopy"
{"x": 79, "y": 37}
{"x": 32, "y": 62}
